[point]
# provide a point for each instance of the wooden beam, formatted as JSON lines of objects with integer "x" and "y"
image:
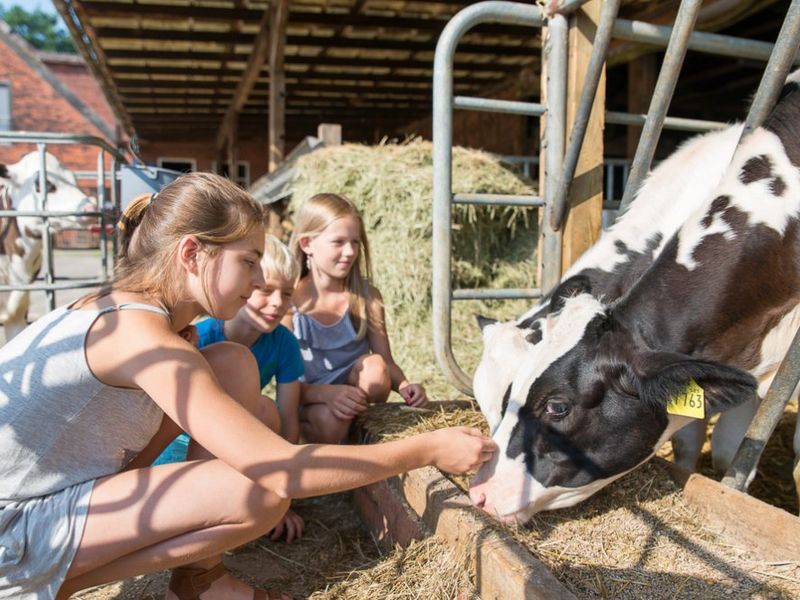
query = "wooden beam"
{"x": 85, "y": 38}
{"x": 277, "y": 83}
{"x": 154, "y": 58}
{"x": 248, "y": 80}
{"x": 297, "y": 16}
{"x": 318, "y": 41}
{"x": 583, "y": 224}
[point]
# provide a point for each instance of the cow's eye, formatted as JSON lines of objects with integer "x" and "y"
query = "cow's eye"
{"x": 557, "y": 409}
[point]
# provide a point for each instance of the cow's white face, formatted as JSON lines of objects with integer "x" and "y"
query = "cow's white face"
{"x": 504, "y": 349}
{"x": 63, "y": 194}
{"x": 586, "y": 407}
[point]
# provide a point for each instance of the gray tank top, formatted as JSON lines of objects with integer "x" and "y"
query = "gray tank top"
{"x": 329, "y": 351}
{"x": 59, "y": 425}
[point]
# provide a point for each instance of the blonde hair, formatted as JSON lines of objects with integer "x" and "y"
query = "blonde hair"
{"x": 213, "y": 209}
{"x": 278, "y": 260}
{"x": 312, "y": 219}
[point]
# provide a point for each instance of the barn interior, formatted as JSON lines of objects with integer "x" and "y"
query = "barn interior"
{"x": 198, "y": 73}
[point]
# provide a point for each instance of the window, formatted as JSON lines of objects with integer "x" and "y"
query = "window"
{"x": 5, "y": 106}
{"x": 242, "y": 172}
{"x": 183, "y": 165}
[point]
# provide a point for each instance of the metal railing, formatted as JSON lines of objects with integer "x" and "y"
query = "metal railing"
{"x": 444, "y": 102}
{"x": 41, "y": 140}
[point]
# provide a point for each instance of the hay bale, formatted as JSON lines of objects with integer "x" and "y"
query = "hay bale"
{"x": 392, "y": 186}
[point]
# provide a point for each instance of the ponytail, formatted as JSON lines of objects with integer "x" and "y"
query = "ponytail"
{"x": 131, "y": 218}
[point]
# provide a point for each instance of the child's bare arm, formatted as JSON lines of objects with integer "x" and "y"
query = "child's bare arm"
{"x": 288, "y": 401}
{"x": 413, "y": 393}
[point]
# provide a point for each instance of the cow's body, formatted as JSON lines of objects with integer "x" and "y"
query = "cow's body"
{"x": 718, "y": 306}
{"x": 21, "y": 237}
{"x": 609, "y": 268}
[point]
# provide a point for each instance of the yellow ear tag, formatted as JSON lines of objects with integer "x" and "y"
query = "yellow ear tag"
{"x": 690, "y": 403}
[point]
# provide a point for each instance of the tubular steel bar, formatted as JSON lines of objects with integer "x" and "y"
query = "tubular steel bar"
{"x": 555, "y": 48}
{"x": 511, "y": 13}
{"x": 665, "y": 87}
{"x": 493, "y": 294}
{"x": 46, "y": 287}
{"x": 699, "y": 41}
{"x": 498, "y": 199}
{"x": 766, "y": 419}
{"x": 677, "y": 123}
{"x": 47, "y": 240}
{"x": 778, "y": 67}
{"x": 60, "y": 138}
{"x": 594, "y": 70}
{"x": 511, "y": 107}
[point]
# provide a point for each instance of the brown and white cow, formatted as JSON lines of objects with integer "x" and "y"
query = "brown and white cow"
{"x": 21, "y": 237}
{"x": 718, "y": 306}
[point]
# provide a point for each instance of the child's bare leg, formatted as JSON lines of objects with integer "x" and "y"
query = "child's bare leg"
{"x": 371, "y": 374}
{"x": 161, "y": 517}
{"x": 207, "y": 529}
{"x": 318, "y": 424}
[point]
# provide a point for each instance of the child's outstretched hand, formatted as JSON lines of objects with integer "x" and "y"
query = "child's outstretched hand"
{"x": 414, "y": 395}
{"x": 292, "y": 524}
{"x": 461, "y": 449}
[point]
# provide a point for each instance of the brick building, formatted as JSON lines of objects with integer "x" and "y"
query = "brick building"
{"x": 51, "y": 93}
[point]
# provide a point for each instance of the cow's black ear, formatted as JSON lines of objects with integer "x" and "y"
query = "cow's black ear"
{"x": 3, "y": 171}
{"x": 484, "y": 321}
{"x": 579, "y": 284}
{"x": 662, "y": 375}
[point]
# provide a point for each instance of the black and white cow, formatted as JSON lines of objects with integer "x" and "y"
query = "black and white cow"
{"x": 21, "y": 237}
{"x": 719, "y": 306}
{"x": 671, "y": 192}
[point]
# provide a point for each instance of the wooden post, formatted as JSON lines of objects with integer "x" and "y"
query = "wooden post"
{"x": 330, "y": 134}
{"x": 583, "y": 223}
{"x": 642, "y": 75}
{"x": 277, "y": 83}
{"x": 232, "y": 154}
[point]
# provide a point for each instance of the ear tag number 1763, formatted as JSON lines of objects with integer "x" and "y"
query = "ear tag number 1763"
{"x": 689, "y": 403}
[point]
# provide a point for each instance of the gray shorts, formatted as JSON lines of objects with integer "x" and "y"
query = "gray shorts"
{"x": 38, "y": 540}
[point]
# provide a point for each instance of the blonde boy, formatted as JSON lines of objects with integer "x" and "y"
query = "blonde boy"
{"x": 258, "y": 326}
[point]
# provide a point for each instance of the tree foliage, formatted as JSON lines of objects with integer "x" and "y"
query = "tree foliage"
{"x": 39, "y": 29}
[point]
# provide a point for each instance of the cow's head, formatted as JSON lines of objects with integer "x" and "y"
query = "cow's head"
{"x": 63, "y": 194}
{"x": 587, "y": 406}
{"x": 511, "y": 344}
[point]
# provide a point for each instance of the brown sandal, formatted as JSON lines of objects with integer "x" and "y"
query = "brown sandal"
{"x": 187, "y": 583}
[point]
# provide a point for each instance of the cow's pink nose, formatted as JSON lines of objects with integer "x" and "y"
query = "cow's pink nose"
{"x": 478, "y": 497}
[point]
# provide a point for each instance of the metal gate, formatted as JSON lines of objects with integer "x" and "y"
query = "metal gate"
{"x": 105, "y": 216}
{"x": 560, "y": 164}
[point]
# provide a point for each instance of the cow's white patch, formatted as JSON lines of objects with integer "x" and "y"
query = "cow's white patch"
{"x": 671, "y": 193}
{"x": 755, "y": 199}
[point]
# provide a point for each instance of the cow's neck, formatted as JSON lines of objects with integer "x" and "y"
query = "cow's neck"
{"x": 722, "y": 308}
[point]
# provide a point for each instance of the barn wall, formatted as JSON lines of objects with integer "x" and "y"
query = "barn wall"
{"x": 498, "y": 133}
{"x": 254, "y": 151}
{"x": 36, "y": 106}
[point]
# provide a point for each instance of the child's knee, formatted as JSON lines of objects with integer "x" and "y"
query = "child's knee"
{"x": 236, "y": 370}
{"x": 375, "y": 378}
{"x": 233, "y": 364}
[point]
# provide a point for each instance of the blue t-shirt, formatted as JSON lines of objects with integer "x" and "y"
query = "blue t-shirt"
{"x": 277, "y": 354}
